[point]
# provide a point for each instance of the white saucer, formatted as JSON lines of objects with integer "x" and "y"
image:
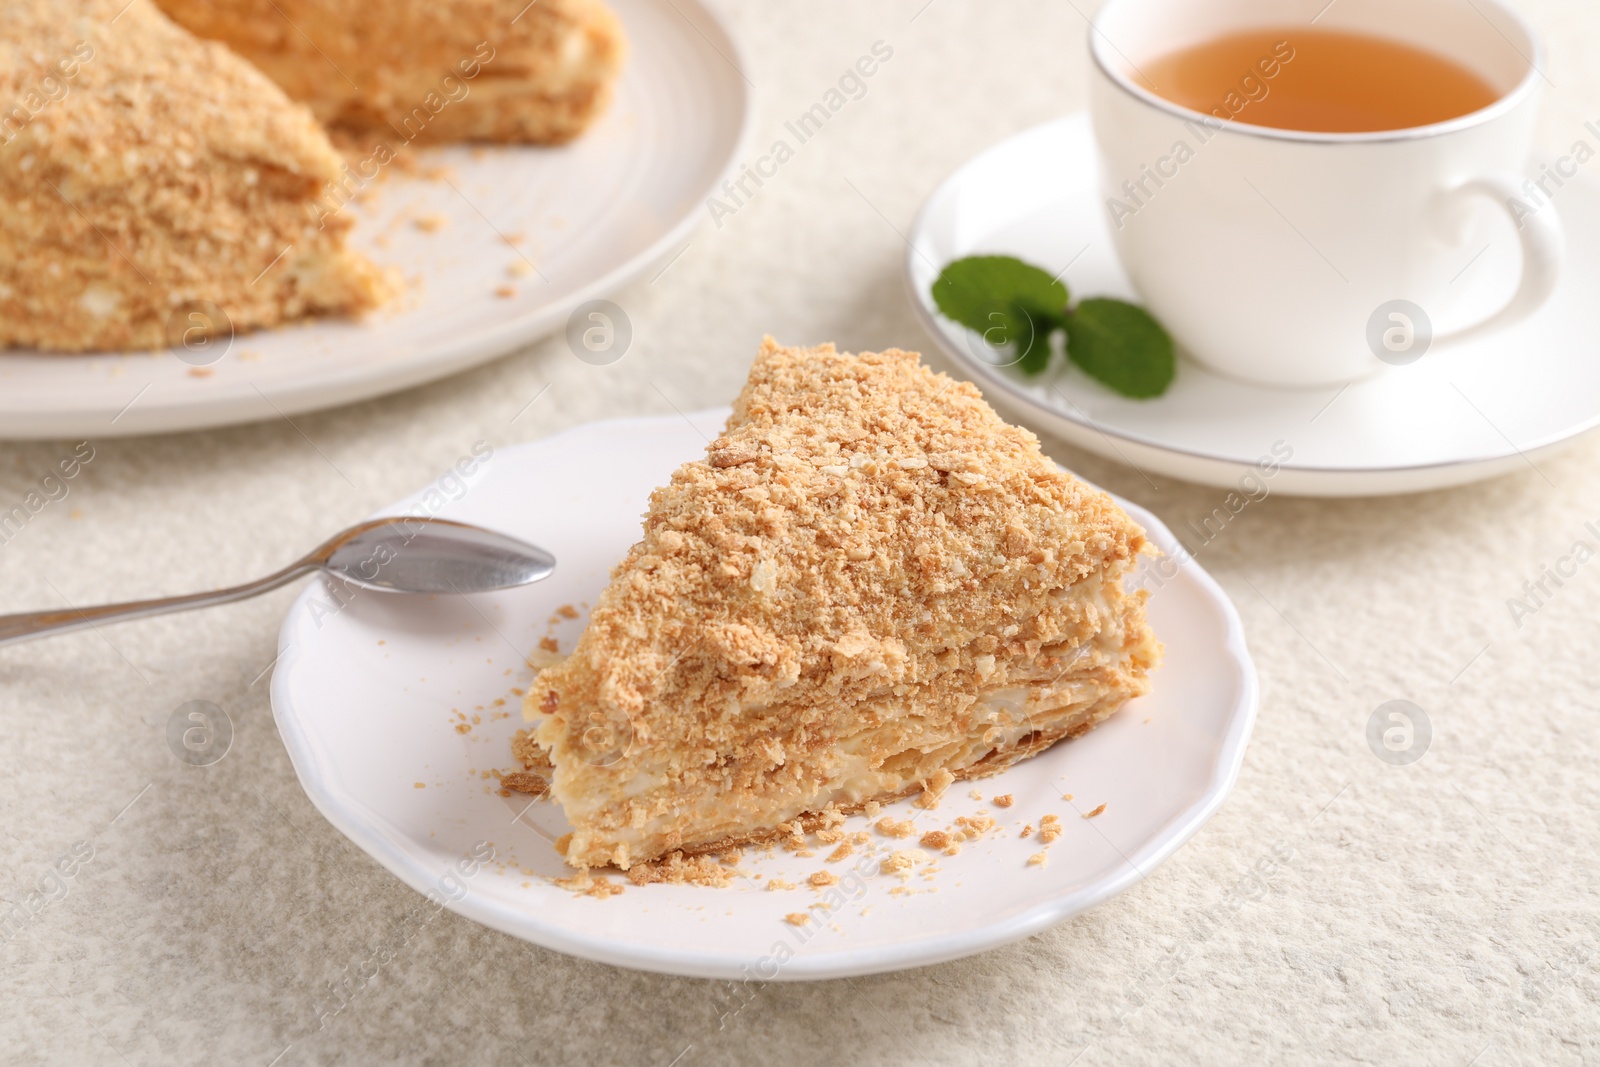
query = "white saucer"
{"x": 590, "y": 217}
{"x": 364, "y": 698}
{"x": 1460, "y": 413}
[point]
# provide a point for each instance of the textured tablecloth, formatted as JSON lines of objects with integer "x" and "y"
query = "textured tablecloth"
{"x": 1339, "y": 907}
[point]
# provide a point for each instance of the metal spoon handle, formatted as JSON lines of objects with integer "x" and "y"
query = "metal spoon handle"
{"x": 30, "y": 624}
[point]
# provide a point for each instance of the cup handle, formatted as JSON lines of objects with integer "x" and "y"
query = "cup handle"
{"x": 1543, "y": 248}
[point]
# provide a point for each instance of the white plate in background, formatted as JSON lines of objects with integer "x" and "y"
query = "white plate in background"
{"x": 591, "y": 217}
{"x": 367, "y": 699}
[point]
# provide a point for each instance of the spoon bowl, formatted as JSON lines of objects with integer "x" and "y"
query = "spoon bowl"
{"x": 406, "y": 554}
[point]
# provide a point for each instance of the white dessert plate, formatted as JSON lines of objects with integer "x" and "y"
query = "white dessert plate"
{"x": 585, "y": 218}
{"x": 1459, "y": 413}
{"x": 371, "y": 700}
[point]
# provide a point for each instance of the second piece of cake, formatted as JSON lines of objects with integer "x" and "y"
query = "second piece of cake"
{"x": 428, "y": 70}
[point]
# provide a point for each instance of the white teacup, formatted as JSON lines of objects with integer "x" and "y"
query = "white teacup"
{"x": 1298, "y": 258}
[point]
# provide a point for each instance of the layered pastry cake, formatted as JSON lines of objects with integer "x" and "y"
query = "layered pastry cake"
{"x": 144, "y": 171}
{"x": 869, "y": 587}
{"x": 428, "y": 70}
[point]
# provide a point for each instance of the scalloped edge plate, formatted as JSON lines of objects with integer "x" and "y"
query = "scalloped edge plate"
{"x": 369, "y": 698}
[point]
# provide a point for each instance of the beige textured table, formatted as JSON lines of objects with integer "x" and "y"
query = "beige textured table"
{"x": 1443, "y": 912}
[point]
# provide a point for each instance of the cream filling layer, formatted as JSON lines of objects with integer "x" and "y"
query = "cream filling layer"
{"x": 1001, "y": 719}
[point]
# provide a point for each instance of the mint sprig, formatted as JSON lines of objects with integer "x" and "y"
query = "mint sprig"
{"x": 1012, "y": 303}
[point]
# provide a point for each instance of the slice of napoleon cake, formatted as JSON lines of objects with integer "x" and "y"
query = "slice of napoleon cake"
{"x": 158, "y": 188}
{"x": 871, "y": 586}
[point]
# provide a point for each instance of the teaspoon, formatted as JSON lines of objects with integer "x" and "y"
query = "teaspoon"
{"x": 403, "y": 554}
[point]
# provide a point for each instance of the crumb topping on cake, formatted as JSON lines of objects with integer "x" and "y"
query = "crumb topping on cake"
{"x": 866, "y": 546}
{"x": 164, "y": 171}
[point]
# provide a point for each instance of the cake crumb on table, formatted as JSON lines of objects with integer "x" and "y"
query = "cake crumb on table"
{"x": 1049, "y": 828}
{"x": 974, "y": 826}
{"x": 822, "y": 879}
{"x": 1038, "y": 859}
{"x": 841, "y": 852}
{"x": 894, "y": 828}
{"x": 897, "y": 863}
{"x": 797, "y": 918}
{"x": 779, "y": 883}
{"x": 975, "y": 795}
{"x": 1004, "y": 800}
{"x": 1027, "y": 830}
{"x": 1095, "y": 812}
{"x": 525, "y": 782}
{"x": 936, "y": 839}
{"x": 901, "y": 861}
{"x": 677, "y": 869}
{"x": 585, "y": 884}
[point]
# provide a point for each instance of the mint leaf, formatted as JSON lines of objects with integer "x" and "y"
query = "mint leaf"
{"x": 1035, "y": 356}
{"x": 969, "y": 289}
{"x": 1007, "y": 301}
{"x": 1121, "y": 346}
